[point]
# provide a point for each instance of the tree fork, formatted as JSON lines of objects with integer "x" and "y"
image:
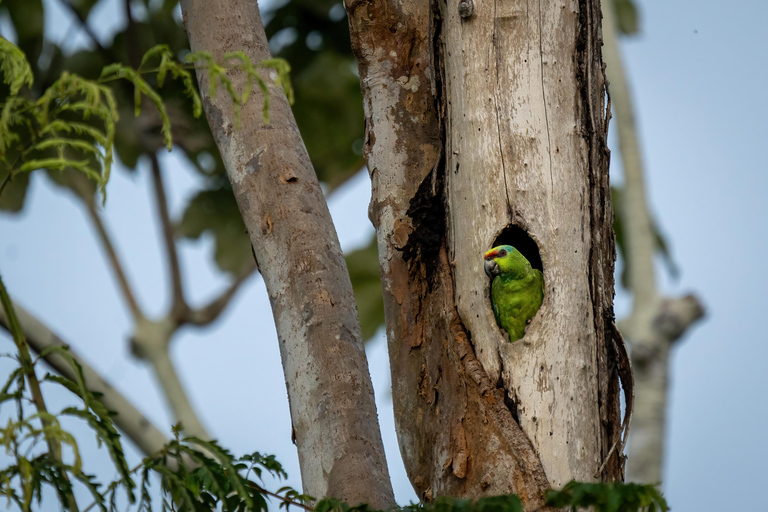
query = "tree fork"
{"x": 478, "y": 118}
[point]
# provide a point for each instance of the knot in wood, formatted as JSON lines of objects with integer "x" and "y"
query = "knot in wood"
{"x": 466, "y": 8}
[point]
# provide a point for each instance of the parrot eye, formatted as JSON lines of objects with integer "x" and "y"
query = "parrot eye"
{"x": 502, "y": 253}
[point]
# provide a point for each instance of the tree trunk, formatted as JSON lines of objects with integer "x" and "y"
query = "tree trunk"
{"x": 486, "y": 124}
{"x": 329, "y": 388}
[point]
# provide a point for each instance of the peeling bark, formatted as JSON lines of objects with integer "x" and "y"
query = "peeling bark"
{"x": 329, "y": 387}
{"x": 477, "y": 119}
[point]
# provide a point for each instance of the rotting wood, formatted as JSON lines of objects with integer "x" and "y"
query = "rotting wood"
{"x": 475, "y": 121}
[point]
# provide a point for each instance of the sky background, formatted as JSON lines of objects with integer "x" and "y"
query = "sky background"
{"x": 698, "y": 75}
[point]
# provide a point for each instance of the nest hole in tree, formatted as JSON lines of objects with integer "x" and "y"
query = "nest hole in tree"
{"x": 520, "y": 240}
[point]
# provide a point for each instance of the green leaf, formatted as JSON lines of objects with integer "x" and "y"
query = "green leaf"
{"x": 216, "y": 211}
{"x": 627, "y": 16}
{"x": 14, "y": 67}
{"x": 363, "y": 266}
{"x": 506, "y": 503}
{"x": 608, "y": 497}
{"x": 83, "y": 6}
{"x": 75, "y": 181}
{"x": 329, "y": 113}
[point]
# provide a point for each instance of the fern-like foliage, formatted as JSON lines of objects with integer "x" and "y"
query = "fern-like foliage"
{"x": 609, "y": 497}
{"x": 217, "y": 76}
{"x": 72, "y": 123}
{"x": 14, "y": 66}
{"x": 195, "y": 474}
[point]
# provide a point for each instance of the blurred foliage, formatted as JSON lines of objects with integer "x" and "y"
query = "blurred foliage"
{"x": 627, "y": 17}
{"x": 215, "y": 211}
{"x": 661, "y": 247}
{"x": 363, "y": 265}
{"x": 608, "y": 497}
{"x": 312, "y": 35}
{"x": 147, "y": 121}
{"x": 597, "y": 497}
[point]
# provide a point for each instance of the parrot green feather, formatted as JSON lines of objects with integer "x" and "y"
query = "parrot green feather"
{"x": 517, "y": 289}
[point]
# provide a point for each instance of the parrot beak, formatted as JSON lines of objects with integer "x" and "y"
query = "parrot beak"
{"x": 491, "y": 268}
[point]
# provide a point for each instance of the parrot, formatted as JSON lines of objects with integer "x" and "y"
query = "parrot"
{"x": 517, "y": 289}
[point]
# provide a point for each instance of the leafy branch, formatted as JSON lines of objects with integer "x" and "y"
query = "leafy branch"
{"x": 72, "y": 124}
{"x": 13, "y": 436}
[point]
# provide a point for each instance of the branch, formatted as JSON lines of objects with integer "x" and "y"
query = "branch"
{"x": 640, "y": 240}
{"x": 128, "y": 419}
{"x": 179, "y": 306}
{"x": 114, "y": 260}
{"x": 105, "y": 54}
{"x": 312, "y": 299}
{"x": 150, "y": 342}
{"x": 207, "y": 314}
{"x": 54, "y": 446}
{"x": 655, "y": 322}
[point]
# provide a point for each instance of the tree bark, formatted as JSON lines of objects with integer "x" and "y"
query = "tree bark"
{"x": 329, "y": 388}
{"x": 482, "y": 116}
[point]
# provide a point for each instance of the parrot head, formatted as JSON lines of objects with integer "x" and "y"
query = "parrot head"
{"x": 505, "y": 259}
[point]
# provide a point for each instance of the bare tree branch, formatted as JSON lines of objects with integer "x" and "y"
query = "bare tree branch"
{"x": 656, "y": 322}
{"x": 105, "y": 54}
{"x": 640, "y": 239}
{"x": 114, "y": 260}
{"x": 150, "y": 342}
{"x": 210, "y": 312}
{"x": 147, "y": 437}
{"x": 179, "y": 305}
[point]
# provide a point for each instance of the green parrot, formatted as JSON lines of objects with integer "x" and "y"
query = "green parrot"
{"x": 517, "y": 290}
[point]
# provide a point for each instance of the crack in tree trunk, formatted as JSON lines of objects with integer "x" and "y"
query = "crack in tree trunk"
{"x": 454, "y": 158}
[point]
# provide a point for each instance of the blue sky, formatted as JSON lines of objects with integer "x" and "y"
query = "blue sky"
{"x": 698, "y": 74}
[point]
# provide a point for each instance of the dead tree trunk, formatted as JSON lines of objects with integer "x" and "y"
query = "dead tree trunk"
{"x": 486, "y": 124}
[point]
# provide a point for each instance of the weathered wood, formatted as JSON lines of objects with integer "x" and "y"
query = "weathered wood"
{"x": 521, "y": 118}
{"x": 329, "y": 387}
{"x": 475, "y": 123}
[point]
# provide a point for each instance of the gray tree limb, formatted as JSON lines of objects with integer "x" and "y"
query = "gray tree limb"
{"x": 178, "y": 304}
